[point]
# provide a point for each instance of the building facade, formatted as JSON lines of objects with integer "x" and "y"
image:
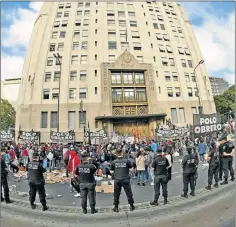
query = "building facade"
{"x": 125, "y": 67}
{"x": 218, "y": 85}
{"x": 10, "y": 90}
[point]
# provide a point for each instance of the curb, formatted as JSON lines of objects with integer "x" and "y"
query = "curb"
{"x": 142, "y": 210}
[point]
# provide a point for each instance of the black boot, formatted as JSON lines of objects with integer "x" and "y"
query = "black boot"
{"x": 192, "y": 193}
{"x": 154, "y": 203}
{"x": 8, "y": 201}
{"x": 224, "y": 182}
{"x": 132, "y": 208}
{"x": 165, "y": 201}
{"x": 45, "y": 208}
{"x": 232, "y": 179}
{"x": 93, "y": 210}
{"x": 184, "y": 195}
{"x": 2, "y": 199}
{"x": 138, "y": 184}
{"x": 216, "y": 185}
{"x": 208, "y": 187}
{"x": 115, "y": 209}
{"x": 84, "y": 210}
{"x": 33, "y": 206}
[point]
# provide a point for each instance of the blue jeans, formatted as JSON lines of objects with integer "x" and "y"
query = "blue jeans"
{"x": 141, "y": 174}
{"x": 151, "y": 173}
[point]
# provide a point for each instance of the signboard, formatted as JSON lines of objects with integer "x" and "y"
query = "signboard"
{"x": 29, "y": 136}
{"x": 98, "y": 134}
{"x": 170, "y": 132}
{"x": 62, "y": 137}
{"x": 204, "y": 124}
{"x": 7, "y": 136}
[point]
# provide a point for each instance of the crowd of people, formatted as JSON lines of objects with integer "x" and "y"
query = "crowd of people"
{"x": 148, "y": 162}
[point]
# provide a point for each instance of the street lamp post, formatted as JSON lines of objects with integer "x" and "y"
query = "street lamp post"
{"x": 194, "y": 73}
{"x": 58, "y": 62}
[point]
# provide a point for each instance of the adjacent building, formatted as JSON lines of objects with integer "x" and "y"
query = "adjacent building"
{"x": 124, "y": 66}
{"x": 218, "y": 85}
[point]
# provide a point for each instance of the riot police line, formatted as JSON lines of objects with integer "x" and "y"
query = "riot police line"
{"x": 220, "y": 163}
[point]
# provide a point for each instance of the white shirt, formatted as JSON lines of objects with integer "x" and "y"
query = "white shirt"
{"x": 169, "y": 160}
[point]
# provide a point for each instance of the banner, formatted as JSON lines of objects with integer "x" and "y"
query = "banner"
{"x": 29, "y": 136}
{"x": 7, "y": 136}
{"x": 115, "y": 138}
{"x": 98, "y": 134}
{"x": 62, "y": 137}
{"x": 204, "y": 124}
{"x": 170, "y": 132}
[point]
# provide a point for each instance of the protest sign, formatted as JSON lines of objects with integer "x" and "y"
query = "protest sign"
{"x": 62, "y": 137}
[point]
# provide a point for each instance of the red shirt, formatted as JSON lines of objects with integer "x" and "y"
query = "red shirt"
{"x": 12, "y": 154}
{"x": 24, "y": 153}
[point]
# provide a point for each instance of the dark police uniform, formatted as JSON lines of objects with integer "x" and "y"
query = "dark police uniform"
{"x": 4, "y": 183}
{"x": 121, "y": 168}
{"x": 228, "y": 161}
{"x": 214, "y": 165}
{"x": 160, "y": 165}
{"x": 189, "y": 163}
{"x": 36, "y": 183}
{"x": 220, "y": 161}
{"x": 87, "y": 185}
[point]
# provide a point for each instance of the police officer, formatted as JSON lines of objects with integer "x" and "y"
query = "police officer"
{"x": 36, "y": 181}
{"x": 228, "y": 150}
{"x": 85, "y": 172}
{"x": 214, "y": 164}
{"x": 189, "y": 164}
{"x": 159, "y": 167}
{"x": 221, "y": 160}
{"x": 4, "y": 183}
{"x": 121, "y": 167}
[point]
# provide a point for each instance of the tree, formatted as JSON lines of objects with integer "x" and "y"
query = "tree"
{"x": 226, "y": 103}
{"x": 7, "y": 115}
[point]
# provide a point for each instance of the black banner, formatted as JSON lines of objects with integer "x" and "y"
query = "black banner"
{"x": 29, "y": 136}
{"x": 204, "y": 124}
{"x": 170, "y": 132}
{"x": 7, "y": 136}
{"x": 98, "y": 134}
{"x": 62, "y": 137}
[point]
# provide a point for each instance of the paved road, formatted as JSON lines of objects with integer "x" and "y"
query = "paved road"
{"x": 219, "y": 212}
{"x": 141, "y": 194}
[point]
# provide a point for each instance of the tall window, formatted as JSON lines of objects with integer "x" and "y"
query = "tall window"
{"x": 111, "y": 45}
{"x": 83, "y": 75}
{"x": 117, "y": 95}
{"x": 57, "y": 76}
{"x": 73, "y": 75}
{"x": 44, "y": 119}
{"x": 181, "y": 115}
{"x": 74, "y": 60}
{"x": 139, "y": 78}
{"x": 46, "y": 93}
{"x": 47, "y": 77}
{"x": 82, "y": 93}
{"x": 53, "y": 120}
{"x": 129, "y": 95}
{"x": 72, "y": 93}
{"x": 170, "y": 91}
{"x": 71, "y": 120}
{"x": 141, "y": 94}
{"x": 128, "y": 78}
{"x": 174, "y": 116}
{"x": 82, "y": 119}
{"x": 83, "y": 59}
{"x": 115, "y": 78}
{"x": 55, "y": 93}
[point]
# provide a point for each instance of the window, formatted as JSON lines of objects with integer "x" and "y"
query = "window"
{"x": 121, "y": 14}
{"x": 117, "y": 95}
{"x": 129, "y": 95}
{"x": 170, "y": 91}
{"x": 187, "y": 78}
{"x": 167, "y": 76}
{"x": 123, "y": 35}
{"x": 95, "y": 72}
{"x": 196, "y": 92}
{"x": 183, "y": 61}
{"x": 84, "y": 45}
{"x": 193, "y": 78}
{"x": 159, "y": 90}
{"x": 73, "y": 75}
{"x": 179, "y": 30}
{"x": 86, "y": 13}
{"x": 120, "y": 5}
{"x": 135, "y": 34}
{"x": 166, "y": 38}
{"x": 180, "y": 50}
{"x": 155, "y": 25}
{"x": 174, "y": 115}
{"x": 79, "y": 13}
{"x": 85, "y": 33}
{"x": 80, "y": 4}
{"x": 186, "y": 50}
{"x": 56, "y": 24}
{"x": 54, "y": 119}
{"x": 131, "y": 14}
{"x": 76, "y": 46}
{"x": 64, "y": 23}
{"x": 139, "y": 78}
{"x": 82, "y": 93}
{"x": 46, "y": 94}
{"x": 59, "y": 14}
{"x": 190, "y": 92}
{"x": 95, "y": 43}
{"x": 190, "y": 64}
{"x": 50, "y": 62}
{"x": 161, "y": 48}
{"x": 57, "y": 76}
{"x": 159, "y": 36}
{"x": 95, "y": 90}
{"x": 87, "y": 4}
{"x": 133, "y": 23}
{"x": 62, "y": 34}
{"x": 172, "y": 61}
{"x": 76, "y": 33}
{"x": 83, "y": 59}
{"x": 111, "y": 58}
{"x": 86, "y": 22}
{"x": 44, "y": 119}
{"x": 162, "y": 26}
{"x": 169, "y": 49}
{"x": 55, "y": 93}
{"x": 54, "y": 35}
{"x": 140, "y": 59}
{"x": 115, "y": 78}
{"x": 164, "y": 61}
{"x": 74, "y": 60}
{"x": 83, "y": 75}
{"x": 96, "y": 20}
{"x": 177, "y": 92}
{"x": 124, "y": 46}
{"x": 68, "y": 5}
{"x": 128, "y": 78}
{"x": 112, "y": 35}
{"x": 154, "y": 58}
{"x": 47, "y": 77}
{"x": 72, "y": 93}
{"x": 82, "y": 119}
{"x": 141, "y": 95}
{"x": 111, "y": 22}
{"x": 61, "y": 6}
{"x": 78, "y": 23}
{"x": 137, "y": 46}
{"x": 60, "y": 46}
{"x": 181, "y": 115}
{"x": 194, "y": 110}
{"x": 111, "y": 45}
{"x": 122, "y": 23}
{"x": 71, "y": 120}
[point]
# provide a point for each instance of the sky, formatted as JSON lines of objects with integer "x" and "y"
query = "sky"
{"x": 213, "y": 24}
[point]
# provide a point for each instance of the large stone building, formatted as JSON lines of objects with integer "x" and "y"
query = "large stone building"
{"x": 218, "y": 85}
{"x": 131, "y": 64}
